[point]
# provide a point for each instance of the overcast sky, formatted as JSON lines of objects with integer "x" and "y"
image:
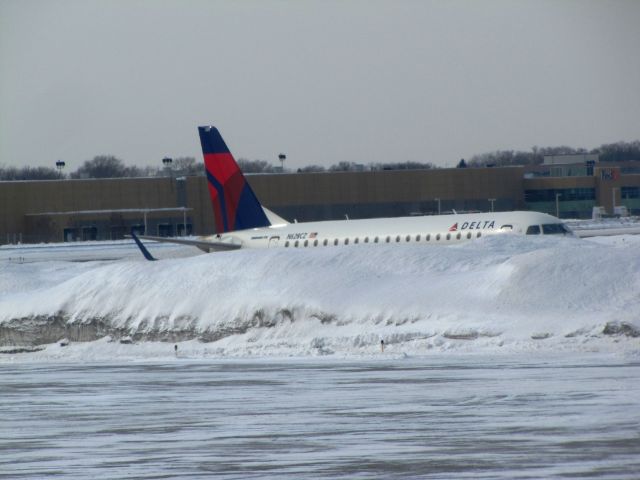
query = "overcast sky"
{"x": 322, "y": 81}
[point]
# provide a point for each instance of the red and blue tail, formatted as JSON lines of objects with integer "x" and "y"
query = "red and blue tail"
{"x": 235, "y": 206}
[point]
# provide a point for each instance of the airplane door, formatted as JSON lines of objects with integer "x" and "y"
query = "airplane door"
{"x": 273, "y": 242}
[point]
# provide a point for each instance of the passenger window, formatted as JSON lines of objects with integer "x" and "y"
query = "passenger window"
{"x": 388, "y": 239}
{"x": 335, "y": 242}
{"x": 428, "y": 237}
{"x": 326, "y": 242}
{"x": 448, "y": 236}
{"x": 437, "y": 237}
{"x": 286, "y": 244}
{"x": 296, "y": 243}
{"x": 375, "y": 240}
{"x": 346, "y": 241}
{"x": 315, "y": 242}
{"x": 398, "y": 239}
{"x": 306, "y": 243}
{"x": 356, "y": 240}
{"x": 469, "y": 235}
{"x": 408, "y": 238}
{"x": 533, "y": 230}
{"x": 459, "y": 236}
{"x": 366, "y": 239}
{"x": 417, "y": 238}
{"x": 479, "y": 235}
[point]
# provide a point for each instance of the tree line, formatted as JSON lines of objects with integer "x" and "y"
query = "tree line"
{"x": 104, "y": 166}
{"x": 108, "y": 166}
{"x": 610, "y": 152}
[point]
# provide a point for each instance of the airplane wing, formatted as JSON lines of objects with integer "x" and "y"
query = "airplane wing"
{"x": 205, "y": 245}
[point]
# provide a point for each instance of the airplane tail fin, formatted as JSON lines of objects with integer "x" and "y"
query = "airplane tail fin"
{"x": 235, "y": 206}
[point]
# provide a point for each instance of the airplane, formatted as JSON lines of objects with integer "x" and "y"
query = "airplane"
{"x": 242, "y": 222}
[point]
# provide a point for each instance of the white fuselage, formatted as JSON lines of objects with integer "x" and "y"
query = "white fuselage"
{"x": 434, "y": 230}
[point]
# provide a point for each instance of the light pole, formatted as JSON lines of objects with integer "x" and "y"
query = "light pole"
{"x": 491, "y": 200}
{"x": 438, "y": 200}
{"x": 282, "y": 157}
{"x": 166, "y": 161}
{"x": 60, "y": 165}
{"x": 558, "y": 195}
{"x": 184, "y": 221}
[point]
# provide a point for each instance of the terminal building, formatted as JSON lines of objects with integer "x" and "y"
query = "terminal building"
{"x": 108, "y": 209}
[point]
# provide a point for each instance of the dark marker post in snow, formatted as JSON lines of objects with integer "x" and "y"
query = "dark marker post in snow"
{"x": 382, "y": 345}
{"x": 175, "y": 347}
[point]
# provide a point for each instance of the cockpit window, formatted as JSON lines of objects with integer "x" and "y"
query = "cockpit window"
{"x": 533, "y": 230}
{"x": 554, "y": 229}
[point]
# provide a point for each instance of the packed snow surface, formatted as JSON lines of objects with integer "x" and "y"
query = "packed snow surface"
{"x": 503, "y": 293}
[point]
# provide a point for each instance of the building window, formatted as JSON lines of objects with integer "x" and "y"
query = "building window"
{"x": 630, "y": 192}
{"x": 566, "y": 194}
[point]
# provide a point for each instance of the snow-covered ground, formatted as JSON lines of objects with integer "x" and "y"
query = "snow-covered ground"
{"x": 431, "y": 417}
{"x": 500, "y": 294}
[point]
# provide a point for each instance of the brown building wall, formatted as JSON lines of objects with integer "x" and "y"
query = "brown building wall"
{"x": 386, "y": 186}
{"x": 318, "y": 196}
{"x": 41, "y": 210}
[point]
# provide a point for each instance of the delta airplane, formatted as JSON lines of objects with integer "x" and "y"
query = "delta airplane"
{"x": 242, "y": 222}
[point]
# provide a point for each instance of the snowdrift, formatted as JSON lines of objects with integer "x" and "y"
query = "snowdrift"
{"x": 502, "y": 292}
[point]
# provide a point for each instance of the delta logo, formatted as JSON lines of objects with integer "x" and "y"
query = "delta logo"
{"x": 480, "y": 225}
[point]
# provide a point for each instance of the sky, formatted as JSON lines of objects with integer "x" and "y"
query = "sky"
{"x": 320, "y": 81}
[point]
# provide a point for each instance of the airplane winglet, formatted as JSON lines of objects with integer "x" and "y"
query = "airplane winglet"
{"x": 142, "y": 248}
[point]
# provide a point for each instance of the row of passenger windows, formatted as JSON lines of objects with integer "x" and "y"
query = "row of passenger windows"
{"x": 387, "y": 239}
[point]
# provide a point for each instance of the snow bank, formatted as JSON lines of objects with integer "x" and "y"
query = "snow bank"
{"x": 504, "y": 292}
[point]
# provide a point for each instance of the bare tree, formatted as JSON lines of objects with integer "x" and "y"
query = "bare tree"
{"x": 256, "y": 166}
{"x": 619, "y": 152}
{"x": 30, "y": 173}
{"x": 105, "y": 166}
{"x": 188, "y": 166}
{"x": 312, "y": 169}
